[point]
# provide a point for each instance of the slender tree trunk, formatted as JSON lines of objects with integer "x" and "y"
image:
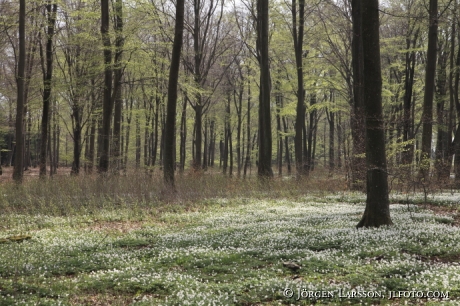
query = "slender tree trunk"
{"x": 47, "y": 77}
{"x": 170, "y": 126}
{"x": 427, "y": 116}
{"x": 155, "y": 130}
{"x": 107, "y": 105}
{"x": 408, "y": 154}
{"x": 205, "y": 145}
{"x": 298, "y": 34}
{"x": 118, "y": 90}
{"x": 76, "y": 139}
{"x": 183, "y": 136}
{"x": 248, "y": 129}
{"x": 18, "y": 171}
{"x": 286, "y": 146}
{"x": 377, "y": 210}
{"x": 331, "y": 120}
{"x": 265, "y": 130}
{"x": 311, "y": 135}
{"x": 138, "y": 141}
{"x": 279, "y": 105}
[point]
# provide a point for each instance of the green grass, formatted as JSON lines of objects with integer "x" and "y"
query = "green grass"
{"x": 223, "y": 249}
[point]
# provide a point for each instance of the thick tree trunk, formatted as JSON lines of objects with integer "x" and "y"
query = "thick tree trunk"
{"x": 170, "y": 126}
{"x": 377, "y": 210}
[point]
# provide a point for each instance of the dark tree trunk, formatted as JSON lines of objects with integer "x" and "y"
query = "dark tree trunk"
{"x": 18, "y": 171}
{"x": 298, "y": 34}
{"x": 205, "y": 146}
{"x": 377, "y": 210}
{"x": 170, "y": 126}
{"x": 248, "y": 129}
{"x": 183, "y": 136}
{"x": 107, "y": 105}
{"x": 408, "y": 134}
{"x": 427, "y": 116}
{"x": 76, "y": 139}
{"x": 265, "y": 129}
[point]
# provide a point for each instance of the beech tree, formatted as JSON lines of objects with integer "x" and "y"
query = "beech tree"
{"x": 47, "y": 77}
{"x": 427, "y": 116}
{"x": 20, "y": 80}
{"x": 107, "y": 104}
{"x": 170, "y": 127}
{"x": 377, "y": 210}
{"x": 265, "y": 129}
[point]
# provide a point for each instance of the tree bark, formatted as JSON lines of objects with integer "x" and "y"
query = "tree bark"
{"x": 51, "y": 14}
{"x": 298, "y": 34}
{"x": 265, "y": 130}
{"x": 170, "y": 126}
{"x": 427, "y": 116}
{"x": 118, "y": 73}
{"x": 377, "y": 210}
{"x": 18, "y": 171}
{"x": 107, "y": 105}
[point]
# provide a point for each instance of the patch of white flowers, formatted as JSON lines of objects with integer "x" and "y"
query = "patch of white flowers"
{"x": 233, "y": 254}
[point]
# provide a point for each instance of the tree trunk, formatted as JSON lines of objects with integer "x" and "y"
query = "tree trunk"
{"x": 107, "y": 100}
{"x": 170, "y": 126}
{"x": 265, "y": 130}
{"x": 377, "y": 210}
{"x": 18, "y": 171}
{"x": 427, "y": 116}
{"x": 248, "y": 129}
{"x": 183, "y": 136}
{"x": 118, "y": 96}
{"x": 298, "y": 34}
{"x": 47, "y": 77}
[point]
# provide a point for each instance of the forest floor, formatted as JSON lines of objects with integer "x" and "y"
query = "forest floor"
{"x": 267, "y": 247}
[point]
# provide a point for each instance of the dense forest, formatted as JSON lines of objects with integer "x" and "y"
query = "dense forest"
{"x": 85, "y": 84}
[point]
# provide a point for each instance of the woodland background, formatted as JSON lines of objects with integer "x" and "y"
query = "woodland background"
{"x": 217, "y": 117}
